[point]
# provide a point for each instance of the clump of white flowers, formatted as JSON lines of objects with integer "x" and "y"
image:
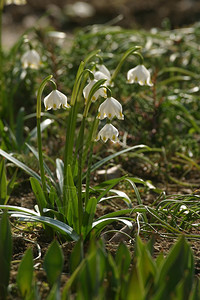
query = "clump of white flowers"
{"x": 111, "y": 108}
{"x": 31, "y": 59}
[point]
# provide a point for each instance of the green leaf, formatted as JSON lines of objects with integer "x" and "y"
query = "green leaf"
{"x": 123, "y": 259}
{"x": 71, "y": 201}
{"x": 25, "y": 274}
{"x": 76, "y": 256}
{"x": 135, "y": 288}
{"x": 3, "y": 183}
{"x": 170, "y": 275}
{"x": 100, "y": 224}
{"x": 55, "y": 224}
{"x": 54, "y": 293}
{"x": 88, "y": 216}
{"x": 20, "y": 165}
{"x": 39, "y": 194}
{"x": 195, "y": 291}
{"x": 5, "y": 254}
{"x": 59, "y": 173}
{"x": 43, "y": 125}
{"x": 53, "y": 263}
{"x": 48, "y": 171}
{"x": 20, "y": 128}
{"x": 11, "y": 183}
{"x": 146, "y": 267}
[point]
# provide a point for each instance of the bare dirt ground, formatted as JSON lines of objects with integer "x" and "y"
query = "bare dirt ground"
{"x": 64, "y": 16}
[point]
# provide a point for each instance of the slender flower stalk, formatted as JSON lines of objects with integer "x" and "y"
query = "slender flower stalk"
{"x": 133, "y": 50}
{"x": 39, "y": 137}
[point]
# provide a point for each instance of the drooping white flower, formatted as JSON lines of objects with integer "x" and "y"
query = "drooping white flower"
{"x": 108, "y": 132}
{"x": 102, "y": 73}
{"x": 31, "y": 59}
{"x": 139, "y": 74}
{"x": 110, "y": 108}
{"x": 55, "y": 99}
{"x": 99, "y": 92}
{"x": 16, "y": 2}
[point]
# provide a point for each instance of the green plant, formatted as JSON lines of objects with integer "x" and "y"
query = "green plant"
{"x": 5, "y": 254}
{"x": 63, "y": 199}
{"x": 5, "y": 186}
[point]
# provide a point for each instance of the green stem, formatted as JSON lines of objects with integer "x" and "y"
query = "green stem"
{"x": 130, "y": 51}
{"x": 80, "y": 172}
{"x": 88, "y": 174}
{"x": 40, "y": 156}
{"x": 39, "y": 136}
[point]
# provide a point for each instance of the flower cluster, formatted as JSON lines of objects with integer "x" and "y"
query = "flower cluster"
{"x": 110, "y": 108}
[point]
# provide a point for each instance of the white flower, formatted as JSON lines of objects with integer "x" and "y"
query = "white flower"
{"x": 139, "y": 74}
{"x": 99, "y": 92}
{"x": 31, "y": 59}
{"x": 17, "y": 2}
{"x": 103, "y": 73}
{"x": 184, "y": 209}
{"x": 55, "y": 99}
{"x": 108, "y": 132}
{"x": 110, "y": 108}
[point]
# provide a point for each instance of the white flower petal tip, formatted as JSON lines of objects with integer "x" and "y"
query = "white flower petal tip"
{"x": 139, "y": 75}
{"x": 55, "y": 100}
{"x": 108, "y": 132}
{"x": 31, "y": 59}
{"x": 110, "y": 108}
{"x": 100, "y": 92}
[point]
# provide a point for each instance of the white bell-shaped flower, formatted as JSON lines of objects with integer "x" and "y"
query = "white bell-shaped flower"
{"x": 108, "y": 132}
{"x": 110, "y": 108}
{"x": 31, "y": 59}
{"x": 100, "y": 92}
{"x": 102, "y": 73}
{"x": 139, "y": 74}
{"x": 55, "y": 99}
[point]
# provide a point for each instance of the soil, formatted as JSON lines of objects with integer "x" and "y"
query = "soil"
{"x": 126, "y": 13}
